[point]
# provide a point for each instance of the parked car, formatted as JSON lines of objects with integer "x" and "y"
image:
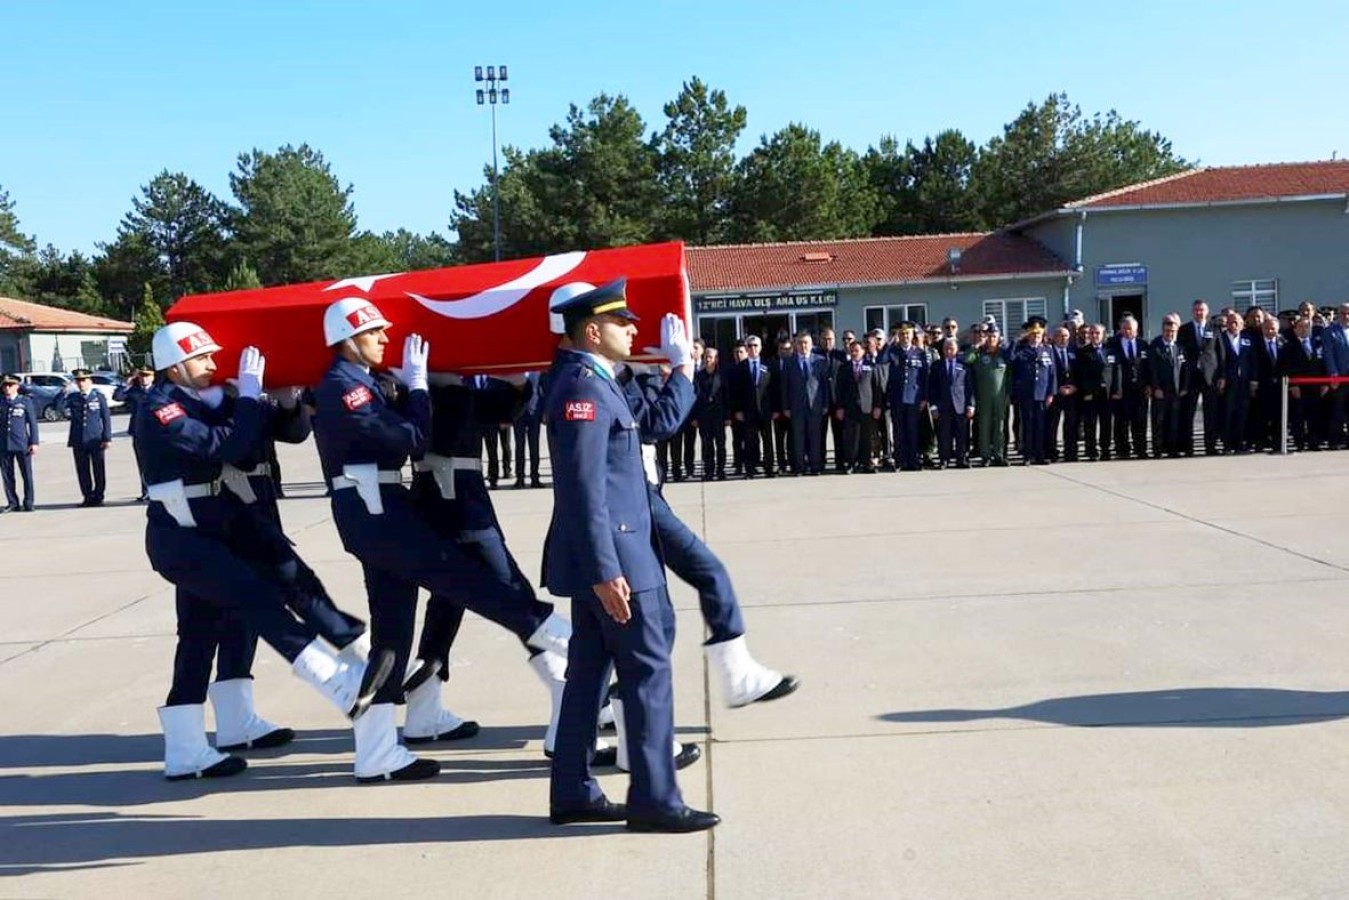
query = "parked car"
{"x": 47, "y": 390}
{"x": 106, "y": 383}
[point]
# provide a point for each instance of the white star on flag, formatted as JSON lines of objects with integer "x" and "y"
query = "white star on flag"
{"x": 362, "y": 283}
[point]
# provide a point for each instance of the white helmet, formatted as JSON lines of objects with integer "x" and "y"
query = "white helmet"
{"x": 178, "y": 342}
{"x": 560, "y": 296}
{"x": 349, "y": 317}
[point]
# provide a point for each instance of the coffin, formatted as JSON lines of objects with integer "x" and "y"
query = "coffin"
{"x": 491, "y": 318}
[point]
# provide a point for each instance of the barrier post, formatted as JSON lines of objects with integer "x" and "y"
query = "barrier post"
{"x": 1283, "y": 416}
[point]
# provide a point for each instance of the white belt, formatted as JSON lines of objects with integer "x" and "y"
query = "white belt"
{"x": 442, "y": 469}
{"x": 366, "y": 479}
{"x": 173, "y": 496}
{"x": 649, "y": 464}
{"x": 236, "y": 480}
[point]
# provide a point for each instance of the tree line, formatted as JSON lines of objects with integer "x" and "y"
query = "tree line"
{"x": 601, "y": 180}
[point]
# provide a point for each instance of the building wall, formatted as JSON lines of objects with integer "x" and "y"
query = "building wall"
{"x": 1199, "y": 253}
{"x": 75, "y": 351}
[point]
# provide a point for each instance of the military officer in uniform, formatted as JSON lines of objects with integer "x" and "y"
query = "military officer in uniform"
{"x": 1033, "y": 390}
{"x": 906, "y": 396}
{"x": 228, "y": 563}
{"x": 133, "y": 395}
{"x": 90, "y": 435}
{"x": 602, "y": 552}
{"x": 364, "y": 442}
{"x": 21, "y": 440}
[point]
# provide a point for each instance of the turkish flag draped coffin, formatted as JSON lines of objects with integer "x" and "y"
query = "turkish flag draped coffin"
{"x": 491, "y": 318}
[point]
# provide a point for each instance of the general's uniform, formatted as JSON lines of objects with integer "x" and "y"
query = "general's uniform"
{"x": 21, "y": 435}
{"x": 602, "y": 529}
{"x": 90, "y": 430}
{"x": 1168, "y": 371}
{"x": 1033, "y": 386}
{"x": 905, "y": 394}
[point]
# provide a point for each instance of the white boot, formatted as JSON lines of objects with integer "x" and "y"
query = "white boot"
{"x": 342, "y": 682}
{"x": 379, "y": 756}
{"x": 552, "y": 635}
{"x": 426, "y": 720}
{"x": 552, "y": 671}
{"x": 622, "y": 728}
{"x": 743, "y": 680}
{"x": 358, "y": 651}
{"x": 186, "y": 753}
{"x": 237, "y": 724}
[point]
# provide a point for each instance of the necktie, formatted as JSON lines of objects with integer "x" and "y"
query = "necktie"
{"x": 857, "y": 371}
{"x": 754, "y": 367}
{"x": 803, "y": 366}
{"x": 480, "y": 381}
{"x": 951, "y": 370}
{"x": 1129, "y": 349}
{"x": 1307, "y": 347}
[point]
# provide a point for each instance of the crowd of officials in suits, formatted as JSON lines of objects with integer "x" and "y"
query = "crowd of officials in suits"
{"x": 938, "y": 397}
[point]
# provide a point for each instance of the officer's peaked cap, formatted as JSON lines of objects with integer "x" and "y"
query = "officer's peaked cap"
{"x": 606, "y": 300}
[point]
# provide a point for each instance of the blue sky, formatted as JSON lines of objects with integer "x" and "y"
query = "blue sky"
{"x": 99, "y": 96}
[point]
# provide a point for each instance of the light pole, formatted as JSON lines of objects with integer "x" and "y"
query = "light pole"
{"x": 491, "y": 95}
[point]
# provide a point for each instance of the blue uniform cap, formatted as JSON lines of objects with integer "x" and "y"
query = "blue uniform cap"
{"x": 9, "y": 378}
{"x": 606, "y": 300}
{"x": 81, "y": 373}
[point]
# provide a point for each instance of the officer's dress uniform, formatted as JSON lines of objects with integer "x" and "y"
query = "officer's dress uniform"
{"x": 1033, "y": 387}
{"x": 363, "y": 445}
{"x": 905, "y": 393}
{"x": 227, "y": 562}
{"x": 21, "y": 434}
{"x": 450, "y": 495}
{"x": 602, "y": 529}
{"x": 133, "y": 395}
{"x": 90, "y": 429}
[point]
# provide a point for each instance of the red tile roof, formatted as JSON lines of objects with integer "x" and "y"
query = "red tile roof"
{"x": 888, "y": 260}
{"x": 20, "y": 315}
{"x": 1229, "y": 184}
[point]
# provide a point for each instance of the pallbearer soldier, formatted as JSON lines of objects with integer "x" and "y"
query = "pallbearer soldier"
{"x": 90, "y": 435}
{"x": 229, "y": 563}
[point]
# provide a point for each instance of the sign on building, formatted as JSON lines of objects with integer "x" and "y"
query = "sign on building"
{"x": 763, "y": 302}
{"x": 1119, "y": 274}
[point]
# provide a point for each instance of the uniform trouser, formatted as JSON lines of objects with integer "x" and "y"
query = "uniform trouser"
{"x": 1213, "y": 419}
{"x": 1064, "y": 412}
{"x": 714, "y": 448}
{"x": 1034, "y": 417}
{"x": 399, "y": 552}
{"x": 782, "y": 442}
{"x": 207, "y": 635}
{"x": 1166, "y": 425}
{"x": 990, "y": 428}
{"x": 640, "y": 651}
{"x": 1235, "y": 405}
{"x": 855, "y": 451}
{"x": 527, "y": 432}
{"x": 953, "y": 437}
{"x": 89, "y": 470}
{"x": 807, "y": 443}
{"x": 691, "y": 560}
{"x": 758, "y": 446}
{"x": 835, "y": 428}
{"x": 1130, "y": 415}
{"x": 1095, "y": 416}
{"x": 25, "y": 463}
{"x": 905, "y": 419}
{"x": 444, "y": 615}
{"x": 136, "y": 452}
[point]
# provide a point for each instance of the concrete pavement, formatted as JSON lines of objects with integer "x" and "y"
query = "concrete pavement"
{"x": 1107, "y": 680}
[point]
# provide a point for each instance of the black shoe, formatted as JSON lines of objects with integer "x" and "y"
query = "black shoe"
{"x": 721, "y": 476}
{"x": 28, "y": 508}
{"x": 230, "y": 765}
{"x": 606, "y": 756}
{"x": 86, "y": 502}
{"x": 278, "y": 737}
{"x": 688, "y": 755}
{"x": 963, "y": 464}
{"x": 6, "y": 509}
{"x": 492, "y": 484}
{"x": 602, "y": 811}
{"x": 417, "y": 770}
{"x": 519, "y": 483}
{"x": 535, "y": 482}
{"x": 683, "y": 821}
{"x": 466, "y": 729}
{"x": 377, "y": 671}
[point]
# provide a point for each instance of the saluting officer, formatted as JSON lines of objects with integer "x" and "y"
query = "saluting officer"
{"x": 21, "y": 440}
{"x": 90, "y": 435}
{"x": 133, "y": 395}
{"x": 1033, "y": 388}
{"x": 364, "y": 442}
{"x": 226, "y": 561}
{"x": 602, "y": 552}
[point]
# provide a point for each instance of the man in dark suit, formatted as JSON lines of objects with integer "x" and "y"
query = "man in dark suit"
{"x": 1269, "y": 353}
{"x": 1229, "y": 365}
{"x": 951, "y": 399}
{"x": 782, "y": 425}
{"x": 753, "y": 404}
{"x": 1128, "y": 390}
{"x": 711, "y": 410}
{"x": 1194, "y": 336}
{"x": 1065, "y": 408}
{"x": 1335, "y": 344}
{"x": 738, "y": 355}
{"x": 1092, "y": 374}
{"x": 858, "y": 399}
{"x": 807, "y": 395}
{"x": 1168, "y": 374}
{"x": 828, "y": 349}
{"x": 1305, "y": 359}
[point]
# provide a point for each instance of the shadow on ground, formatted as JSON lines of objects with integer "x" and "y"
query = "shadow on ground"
{"x": 1237, "y": 707}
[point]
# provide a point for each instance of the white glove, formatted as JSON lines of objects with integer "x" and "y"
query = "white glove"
{"x": 212, "y": 396}
{"x": 251, "y": 366}
{"x": 416, "y": 352}
{"x": 674, "y": 342}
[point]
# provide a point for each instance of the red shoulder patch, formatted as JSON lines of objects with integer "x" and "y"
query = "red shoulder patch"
{"x": 166, "y": 414}
{"x": 580, "y": 411}
{"x": 357, "y": 397}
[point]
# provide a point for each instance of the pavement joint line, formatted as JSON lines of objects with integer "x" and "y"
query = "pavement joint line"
{"x": 38, "y": 645}
{"x": 953, "y": 530}
{"x": 707, "y": 717}
{"x": 1189, "y": 518}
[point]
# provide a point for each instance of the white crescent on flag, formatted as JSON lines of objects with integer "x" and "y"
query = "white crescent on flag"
{"x": 504, "y": 296}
